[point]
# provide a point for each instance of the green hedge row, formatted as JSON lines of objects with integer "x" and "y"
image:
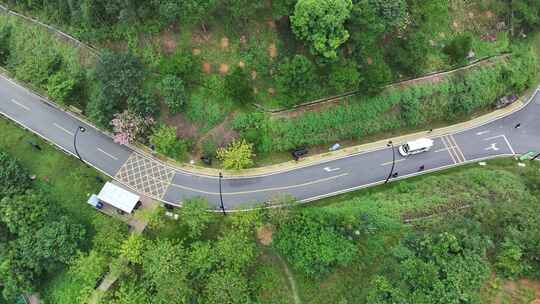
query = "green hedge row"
{"x": 446, "y": 100}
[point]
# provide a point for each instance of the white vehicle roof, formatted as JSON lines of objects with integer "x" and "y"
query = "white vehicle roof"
{"x": 118, "y": 197}
{"x": 420, "y": 144}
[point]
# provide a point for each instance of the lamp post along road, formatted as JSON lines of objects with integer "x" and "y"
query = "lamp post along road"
{"x": 221, "y": 195}
{"x": 82, "y": 130}
{"x": 391, "y": 144}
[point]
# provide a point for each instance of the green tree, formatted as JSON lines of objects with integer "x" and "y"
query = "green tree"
{"x": 459, "y": 48}
{"x": 66, "y": 87}
{"x": 174, "y": 93}
{"x": 144, "y": 105}
{"x": 133, "y": 248}
{"x": 409, "y": 53}
{"x": 119, "y": 77}
{"x": 241, "y": 10}
{"x": 5, "y": 49}
{"x": 344, "y": 76}
{"x": 296, "y": 79}
{"x": 392, "y": 13}
{"x": 509, "y": 260}
{"x": 526, "y": 13}
{"x": 24, "y": 213}
{"x": 312, "y": 245}
{"x": 84, "y": 271}
{"x": 182, "y": 64}
{"x": 238, "y": 86}
{"x": 13, "y": 177}
{"x": 196, "y": 216}
{"x": 282, "y": 8}
{"x": 166, "y": 143}
{"x": 164, "y": 267}
{"x": 227, "y": 287}
{"x": 321, "y": 24}
{"x": 238, "y": 155}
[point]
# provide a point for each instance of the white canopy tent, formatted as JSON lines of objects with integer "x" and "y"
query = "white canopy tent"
{"x": 118, "y": 197}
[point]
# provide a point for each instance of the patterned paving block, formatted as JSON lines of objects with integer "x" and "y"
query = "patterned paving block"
{"x": 147, "y": 176}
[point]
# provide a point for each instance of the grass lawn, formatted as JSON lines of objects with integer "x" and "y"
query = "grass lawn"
{"x": 67, "y": 180}
{"x": 68, "y": 183}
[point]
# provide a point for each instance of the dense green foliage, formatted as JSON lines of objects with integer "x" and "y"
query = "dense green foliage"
{"x": 321, "y": 24}
{"x": 165, "y": 141}
{"x": 454, "y": 97}
{"x": 13, "y": 177}
{"x": 237, "y": 155}
{"x": 174, "y": 93}
{"x": 36, "y": 239}
{"x": 313, "y": 244}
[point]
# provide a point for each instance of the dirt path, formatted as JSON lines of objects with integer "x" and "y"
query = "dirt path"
{"x": 292, "y": 282}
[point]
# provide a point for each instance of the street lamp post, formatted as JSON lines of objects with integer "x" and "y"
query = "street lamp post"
{"x": 221, "y": 194}
{"x": 391, "y": 144}
{"x": 82, "y": 130}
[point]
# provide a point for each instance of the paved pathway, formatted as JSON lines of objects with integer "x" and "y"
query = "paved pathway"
{"x": 313, "y": 181}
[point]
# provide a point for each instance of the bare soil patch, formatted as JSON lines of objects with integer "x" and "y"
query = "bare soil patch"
{"x": 184, "y": 128}
{"x": 222, "y": 135}
{"x": 272, "y": 50}
{"x": 241, "y": 64}
{"x": 206, "y": 67}
{"x": 224, "y": 43}
{"x": 264, "y": 234}
{"x": 167, "y": 39}
{"x": 196, "y": 51}
{"x": 223, "y": 68}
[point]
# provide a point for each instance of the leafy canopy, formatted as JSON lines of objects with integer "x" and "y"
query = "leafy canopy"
{"x": 321, "y": 24}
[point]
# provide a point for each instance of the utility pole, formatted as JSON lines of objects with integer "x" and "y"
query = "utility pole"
{"x": 391, "y": 144}
{"x": 82, "y": 130}
{"x": 221, "y": 195}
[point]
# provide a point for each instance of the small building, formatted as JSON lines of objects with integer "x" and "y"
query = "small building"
{"x": 116, "y": 197}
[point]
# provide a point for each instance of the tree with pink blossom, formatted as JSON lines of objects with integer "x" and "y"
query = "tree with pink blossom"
{"x": 128, "y": 127}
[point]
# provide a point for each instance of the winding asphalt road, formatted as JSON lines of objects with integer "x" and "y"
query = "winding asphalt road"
{"x": 171, "y": 185}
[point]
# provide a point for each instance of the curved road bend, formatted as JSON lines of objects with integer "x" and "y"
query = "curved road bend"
{"x": 171, "y": 185}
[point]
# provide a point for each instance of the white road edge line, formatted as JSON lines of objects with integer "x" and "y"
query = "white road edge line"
{"x": 63, "y": 129}
{"x": 109, "y": 155}
{"x": 20, "y": 104}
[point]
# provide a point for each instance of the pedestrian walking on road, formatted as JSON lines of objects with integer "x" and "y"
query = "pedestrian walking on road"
{"x": 422, "y": 167}
{"x": 517, "y": 126}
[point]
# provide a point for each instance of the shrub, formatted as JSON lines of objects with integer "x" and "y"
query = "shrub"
{"x": 144, "y": 105}
{"x": 238, "y": 87}
{"x": 313, "y": 245}
{"x": 237, "y": 155}
{"x": 209, "y": 147}
{"x": 13, "y": 177}
{"x": 459, "y": 48}
{"x": 296, "y": 79}
{"x": 166, "y": 143}
{"x": 182, "y": 64}
{"x": 174, "y": 93}
{"x": 343, "y": 76}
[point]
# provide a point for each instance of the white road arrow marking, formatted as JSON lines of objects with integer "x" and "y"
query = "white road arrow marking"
{"x": 492, "y": 147}
{"x": 328, "y": 169}
{"x": 482, "y": 132}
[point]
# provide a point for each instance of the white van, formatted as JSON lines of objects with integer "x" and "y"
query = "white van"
{"x": 415, "y": 146}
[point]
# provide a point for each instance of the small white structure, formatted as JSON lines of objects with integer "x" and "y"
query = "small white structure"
{"x": 118, "y": 197}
